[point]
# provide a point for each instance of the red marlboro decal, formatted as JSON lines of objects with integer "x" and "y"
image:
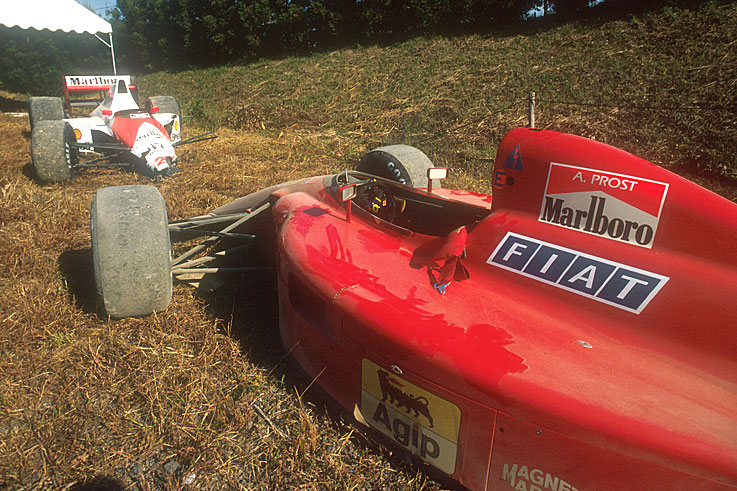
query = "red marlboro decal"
{"x": 131, "y": 130}
{"x": 614, "y": 206}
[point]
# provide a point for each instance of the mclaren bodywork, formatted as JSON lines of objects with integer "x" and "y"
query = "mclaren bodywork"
{"x": 124, "y": 133}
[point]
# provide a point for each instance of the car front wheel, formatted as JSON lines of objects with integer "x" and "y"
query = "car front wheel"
{"x": 131, "y": 251}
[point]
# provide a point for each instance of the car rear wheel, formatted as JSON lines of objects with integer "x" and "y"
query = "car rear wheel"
{"x": 401, "y": 163}
{"x": 44, "y": 109}
{"x": 131, "y": 251}
{"x": 52, "y": 155}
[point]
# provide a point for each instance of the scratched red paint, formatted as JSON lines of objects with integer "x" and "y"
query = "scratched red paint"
{"x": 552, "y": 382}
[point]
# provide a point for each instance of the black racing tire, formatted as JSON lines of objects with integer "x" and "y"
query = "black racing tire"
{"x": 167, "y": 104}
{"x": 131, "y": 251}
{"x": 52, "y": 157}
{"x": 44, "y": 109}
{"x": 401, "y": 163}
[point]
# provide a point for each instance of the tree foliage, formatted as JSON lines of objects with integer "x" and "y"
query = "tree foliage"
{"x": 173, "y": 34}
{"x": 33, "y": 61}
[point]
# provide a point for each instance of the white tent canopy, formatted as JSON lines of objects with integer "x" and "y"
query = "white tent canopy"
{"x": 55, "y": 15}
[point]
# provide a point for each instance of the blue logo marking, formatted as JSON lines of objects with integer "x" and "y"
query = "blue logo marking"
{"x": 499, "y": 178}
{"x": 606, "y": 281}
{"x": 514, "y": 161}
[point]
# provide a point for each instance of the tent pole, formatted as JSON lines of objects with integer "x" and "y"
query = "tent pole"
{"x": 112, "y": 52}
{"x": 112, "y": 49}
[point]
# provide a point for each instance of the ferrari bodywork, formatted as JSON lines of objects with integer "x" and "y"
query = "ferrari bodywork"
{"x": 575, "y": 332}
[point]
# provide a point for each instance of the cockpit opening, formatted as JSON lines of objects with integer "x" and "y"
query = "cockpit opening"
{"x": 408, "y": 208}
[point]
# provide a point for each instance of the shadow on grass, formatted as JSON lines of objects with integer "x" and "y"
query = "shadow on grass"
{"x": 248, "y": 306}
{"x": 12, "y": 106}
{"x": 29, "y": 172}
{"x": 98, "y": 483}
{"x": 75, "y": 267}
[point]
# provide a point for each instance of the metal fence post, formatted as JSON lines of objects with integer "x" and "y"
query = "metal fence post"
{"x": 531, "y": 114}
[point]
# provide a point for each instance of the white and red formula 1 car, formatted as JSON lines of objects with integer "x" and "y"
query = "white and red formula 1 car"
{"x": 124, "y": 133}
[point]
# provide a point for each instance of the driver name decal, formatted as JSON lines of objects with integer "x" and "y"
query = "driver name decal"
{"x": 606, "y": 281}
{"x": 416, "y": 419}
{"x": 614, "y": 206}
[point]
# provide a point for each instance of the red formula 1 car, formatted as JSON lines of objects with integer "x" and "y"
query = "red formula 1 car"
{"x": 126, "y": 135}
{"x": 577, "y": 332}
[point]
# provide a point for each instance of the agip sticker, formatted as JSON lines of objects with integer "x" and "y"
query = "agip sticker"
{"x": 416, "y": 419}
{"x": 614, "y": 206}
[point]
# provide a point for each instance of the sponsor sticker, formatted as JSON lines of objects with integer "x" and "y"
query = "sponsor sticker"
{"x": 150, "y": 139}
{"x": 614, "y": 206}
{"x": 533, "y": 479}
{"x": 514, "y": 160}
{"x": 499, "y": 178}
{"x": 605, "y": 281}
{"x": 416, "y": 419}
{"x": 93, "y": 82}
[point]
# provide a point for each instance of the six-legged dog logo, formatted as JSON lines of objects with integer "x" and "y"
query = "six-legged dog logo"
{"x": 391, "y": 392}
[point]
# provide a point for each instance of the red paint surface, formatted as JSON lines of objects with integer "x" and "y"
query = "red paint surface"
{"x": 126, "y": 129}
{"x": 651, "y": 405}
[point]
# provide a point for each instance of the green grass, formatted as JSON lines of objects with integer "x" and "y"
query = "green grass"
{"x": 455, "y": 97}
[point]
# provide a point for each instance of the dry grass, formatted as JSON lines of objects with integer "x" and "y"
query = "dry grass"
{"x": 199, "y": 396}
{"x": 196, "y": 397}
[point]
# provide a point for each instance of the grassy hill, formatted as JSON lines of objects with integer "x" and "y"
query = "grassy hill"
{"x": 199, "y": 396}
{"x": 661, "y": 85}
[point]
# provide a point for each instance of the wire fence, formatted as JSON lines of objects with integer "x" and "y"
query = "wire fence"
{"x": 533, "y": 100}
{"x": 699, "y": 136}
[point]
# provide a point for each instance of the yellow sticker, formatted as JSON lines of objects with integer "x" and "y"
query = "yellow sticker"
{"x": 420, "y": 421}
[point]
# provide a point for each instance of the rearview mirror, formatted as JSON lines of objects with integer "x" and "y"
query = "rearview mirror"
{"x": 155, "y": 109}
{"x": 107, "y": 112}
{"x": 347, "y": 193}
{"x": 435, "y": 173}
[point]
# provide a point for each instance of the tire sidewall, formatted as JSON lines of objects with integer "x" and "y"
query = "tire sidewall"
{"x": 71, "y": 154}
{"x": 52, "y": 156}
{"x": 402, "y": 163}
{"x": 132, "y": 277}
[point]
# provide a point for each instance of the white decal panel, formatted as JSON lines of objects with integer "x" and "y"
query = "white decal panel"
{"x": 93, "y": 82}
{"x": 522, "y": 477}
{"x": 609, "y": 205}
